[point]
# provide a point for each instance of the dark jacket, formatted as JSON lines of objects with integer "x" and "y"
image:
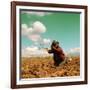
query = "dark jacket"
{"x": 58, "y": 54}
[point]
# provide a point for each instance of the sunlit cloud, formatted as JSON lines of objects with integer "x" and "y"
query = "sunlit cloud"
{"x": 39, "y": 27}
{"x": 34, "y": 33}
{"x": 34, "y": 52}
{"x": 74, "y": 50}
{"x": 46, "y": 41}
{"x": 34, "y": 37}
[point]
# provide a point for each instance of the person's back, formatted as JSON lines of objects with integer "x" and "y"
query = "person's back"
{"x": 58, "y": 54}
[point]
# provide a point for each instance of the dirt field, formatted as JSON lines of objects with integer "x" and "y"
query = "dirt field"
{"x": 38, "y": 67}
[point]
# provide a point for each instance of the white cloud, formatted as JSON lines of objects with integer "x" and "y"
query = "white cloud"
{"x": 26, "y": 30}
{"x": 34, "y": 37}
{"x": 31, "y": 48}
{"x": 30, "y": 30}
{"x": 46, "y": 41}
{"x": 34, "y": 32}
{"x": 39, "y": 27}
{"x": 74, "y": 50}
{"x": 34, "y": 52}
{"x": 24, "y": 26}
{"x": 41, "y": 14}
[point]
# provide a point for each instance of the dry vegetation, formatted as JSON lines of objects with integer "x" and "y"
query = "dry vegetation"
{"x": 38, "y": 67}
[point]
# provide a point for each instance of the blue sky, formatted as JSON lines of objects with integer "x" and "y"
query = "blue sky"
{"x": 43, "y": 27}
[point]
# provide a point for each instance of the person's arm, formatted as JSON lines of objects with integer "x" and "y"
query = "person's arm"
{"x": 56, "y": 49}
{"x": 50, "y": 51}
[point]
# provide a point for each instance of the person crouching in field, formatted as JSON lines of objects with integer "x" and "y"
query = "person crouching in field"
{"x": 58, "y": 54}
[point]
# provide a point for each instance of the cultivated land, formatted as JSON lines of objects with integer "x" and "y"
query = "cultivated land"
{"x": 40, "y": 67}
